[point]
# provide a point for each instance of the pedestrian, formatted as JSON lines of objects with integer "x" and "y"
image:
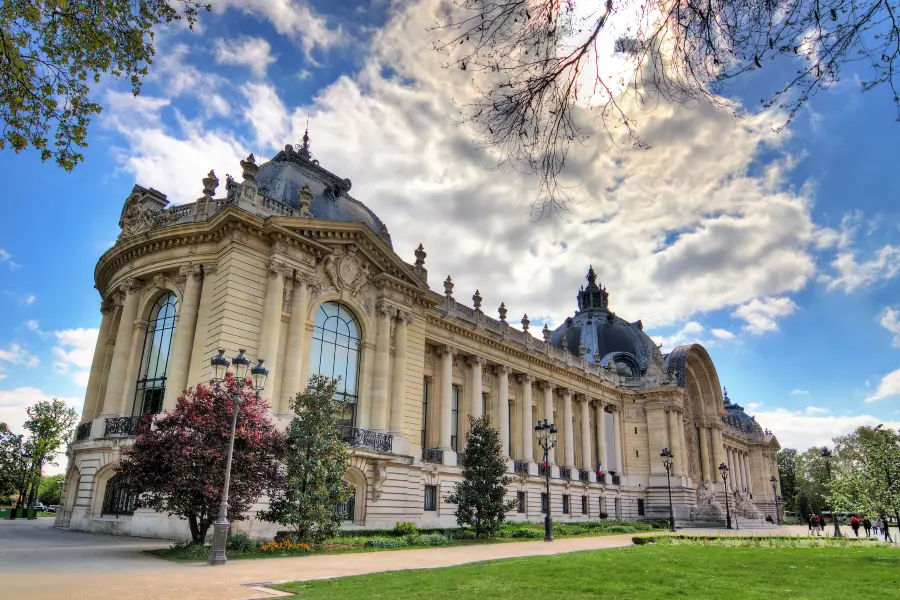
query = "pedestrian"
{"x": 811, "y": 521}
{"x": 817, "y": 524}
{"x": 886, "y": 528}
{"x": 876, "y": 526}
{"x": 867, "y": 525}
{"x": 854, "y": 525}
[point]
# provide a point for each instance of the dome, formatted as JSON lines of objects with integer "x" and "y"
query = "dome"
{"x": 603, "y": 337}
{"x": 737, "y": 418}
{"x": 284, "y": 177}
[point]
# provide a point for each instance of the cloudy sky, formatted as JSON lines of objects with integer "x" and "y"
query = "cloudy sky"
{"x": 778, "y": 251}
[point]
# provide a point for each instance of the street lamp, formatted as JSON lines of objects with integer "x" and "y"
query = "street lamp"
{"x": 826, "y": 454}
{"x": 774, "y": 483}
{"x": 723, "y": 469}
{"x": 667, "y": 462}
{"x": 546, "y": 438}
{"x": 258, "y": 374}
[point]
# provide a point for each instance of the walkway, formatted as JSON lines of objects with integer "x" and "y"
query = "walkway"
{"x": 67, "y": 565}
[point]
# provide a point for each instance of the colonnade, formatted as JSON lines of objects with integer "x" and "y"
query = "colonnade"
{"x": 738, "y": 462}
{"x": 712, "y": 451}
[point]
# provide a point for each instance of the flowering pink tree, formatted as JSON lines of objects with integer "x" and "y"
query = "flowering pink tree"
{"x": 177, "y": 462}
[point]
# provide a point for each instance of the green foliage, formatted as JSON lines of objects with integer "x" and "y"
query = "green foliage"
{"x": 386, "y": 542}
{"x": 315, "y": 462}
{"x": 531, "y": 534}
{"x": 461, "y": 534}
{"x": 53, "y": 51}
{"x": 48, "y": 493}
{"x": 803, "y": 481}
{"x": 480, "y": 497}
{"x": 759, "y": 541}
{"x": 405, "y": 528}
{"x": 867, "y": 472}
{"x": 50, "y": 424}
{"x": 188, "y": 550}
{"x": 788, "y": 478}
{"x": 431, "y": 539}
{"x": 240, "y": 542}
{"x": 12, "y": 465}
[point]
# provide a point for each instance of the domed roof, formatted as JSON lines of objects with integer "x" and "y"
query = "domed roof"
{"x": 283, "y": 178}
{"x": 737, "y": 418}
{"x": 601, "y": 336}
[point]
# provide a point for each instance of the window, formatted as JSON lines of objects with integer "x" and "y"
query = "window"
{"x": 430, "y": 497}
{"x": 520, "y": 502}
{"x": 640, "y": 507}
{"x": 584, "y": 505}
{"x": 335, "y": 352}
{"x": 484, "y": 403}
{"x": 637, "y": 453}
{"x": 346, "y": 510}
{"x": 635, "y": 431}
{"x": 454, "y": 420}
{"x": 544, "y": 505}
{"x": 151, "y": 383}
{"x": 565, "y": 504}
{"x": 118, "y": 499}
{"x": 425, "y": 391}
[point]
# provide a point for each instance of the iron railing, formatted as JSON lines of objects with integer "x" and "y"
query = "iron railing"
{"x": 433, "y": 455}
{"x": 616, "y": 480}
{"x": 363, "y": 438}
{"x": 584, "y": 476}
{"x": 120, "y": 426}
{"x": 520, "y": 466}
{"x": 565, "y": 472}
{"x": 542, "y": 469}
{"x": 83, "y": 431}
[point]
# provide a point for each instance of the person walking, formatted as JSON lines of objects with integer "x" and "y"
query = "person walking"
{"x": 886, "y": 528}
{"x": 854, "y": 525}
{"x": 817, "y": 524}
{"x": 867, "y": 525}
{"x": 876, "y": 526}
{"x": 810, "y": 520}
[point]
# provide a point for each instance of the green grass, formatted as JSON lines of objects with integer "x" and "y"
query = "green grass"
{"x": 642, "y": 573}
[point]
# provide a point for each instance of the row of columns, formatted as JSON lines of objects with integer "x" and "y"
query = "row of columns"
{"x": 739, "y": 465}
{"x": 712, "y": 452}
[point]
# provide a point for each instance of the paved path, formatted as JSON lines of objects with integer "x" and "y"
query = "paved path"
{"x": 38, "y": 562}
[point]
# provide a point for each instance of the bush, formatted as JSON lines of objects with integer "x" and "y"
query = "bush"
{"x": 405, "y": 528}
{"x": 240, "y": 542}
{"x": 461, "y": 534}
{"x": 385, "y": 542}
{"x": 604, "y": 515}
{"x": 432, "y": 539}
{"x": 622, "y": 529}
{"x": 659, "y": 524}
{"x": 188, "y": 550}
{"x": 531, "y": 534}
{"x": 641, "y": 540}
{"x": 284, "y": 546}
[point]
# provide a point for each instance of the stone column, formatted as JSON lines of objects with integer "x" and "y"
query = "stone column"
{"x": 734, "y": 480}
{"x": 547, "y": 388}
{"x": 447, "y": 353}
{"x": 98, "y": 362}
{"x": 476, "y": 363}
{"x": 601, "y": 439}
{"x": 568, "y": 429}
{"x": 183, "y": 342}
{"x": 675, "y": 440}
{"x": 398, "y": 377}
{"x": 115, "y": 384}
{"x": 685, "y": 461}
{"x": 199, "y": 356}
{"x": 586, "y": 454}
{"x": 525, "y": 415}
{"x": 502, "y": 372}
{"x": 292, "y": 370}
{"x": 704, "y": 454}
{"x": 749, "y": 472}
{"x": 617, "y": 439}
{"x": 381, "y": 376}
{"x": 718, "y": 451}
{"x": 270, "y": 329}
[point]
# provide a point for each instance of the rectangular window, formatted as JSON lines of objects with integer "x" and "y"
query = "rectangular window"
{"x": 424, "y": 409}
{"x": 484, "y": 403}
{"x": 544, "y": 507}
{"x": 430, "y": 497}
{"x": 565, "y": 504}
{"x": 454, "y": 420}
{"x": 520, "y": 502}
{"x": 584, "y": 505}
{"x": 635, "y": 431}
{"x": 640, "y": 507}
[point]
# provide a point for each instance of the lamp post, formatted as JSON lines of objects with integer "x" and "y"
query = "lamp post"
{"x": 826, "y": 454}
{"x": 258, "y": 373}
{"x": 546, "y": 439}
{"x": 24, "y": 456}
{"x": 774, "y": 483}
{"x": 723, "y": 469}
{"x": 667, "y": 461}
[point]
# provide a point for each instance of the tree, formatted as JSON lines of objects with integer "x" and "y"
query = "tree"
{"x": 867, "y": 480}
{"x": 315, "y": 462}
{"x": 50, "y": 423}
{"x": 546, "y": 79}
{"x": 177, "y": 461}
{"x": 787, "y": 476}
{"x": 812, "y": 482}
{"x": 49, "y": 490}
{"x": 480, "y": 497}
{"x": 52, "y": 51}
{"x": 11, "y": 466}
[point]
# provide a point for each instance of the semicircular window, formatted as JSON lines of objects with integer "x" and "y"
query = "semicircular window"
{"x": 624, "y": 369}
{"x": 151, "y": 383}
{"x": 335, "y": 352}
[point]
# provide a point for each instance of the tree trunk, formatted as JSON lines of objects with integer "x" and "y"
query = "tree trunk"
{"x": 192, "y": 524}
{"x": 202, "y": 529}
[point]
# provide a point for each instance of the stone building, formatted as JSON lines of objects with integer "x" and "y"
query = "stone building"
{"x": 287, "y": 265}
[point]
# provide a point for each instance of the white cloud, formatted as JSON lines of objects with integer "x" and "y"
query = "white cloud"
{"x": 890, "y": 320}
{"x": 267, "y": 114}
{"x": 689, "y": 333}
{"x": 33, "y": 325}
{"x": 851, "y": 275}
{"x": 253, "y": 53}
{"x": 760, "y": 315}
{"x": 816, "y": 410}
{"x": 722, "y": 334}
{"x": 6, "y": 257}
{"x": 887, "y": 388}
{"x": 17, "y": 355}
{"x": 800, "y": 392}
{"x": 13, "y": 404}
{"x": 795, "y": 429}
{"x": 74, "y": 353}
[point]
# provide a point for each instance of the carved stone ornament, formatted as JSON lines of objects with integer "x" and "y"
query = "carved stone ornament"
{"x": 708, "y": 506}
{"x": 379, "y": 474}
{"x": 448, "y": 287}
{"x": 476, "y": 301}
{"x": 635, "y": 414}
{"x": 141, "y": 212}
{"x": 487, "y": 376}
{"x": 745, "y": 506}
{"x": 346, "y": 271}
{"x": 367, "y": 306}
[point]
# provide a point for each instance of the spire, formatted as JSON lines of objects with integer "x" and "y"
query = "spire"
{"x": 592, "y": 297}
{"x": 304, "y": 147}
{"x": 591, "y": 278}
{"x": 726, "y": 399}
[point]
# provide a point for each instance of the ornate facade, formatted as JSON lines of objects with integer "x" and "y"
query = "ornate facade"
{"x": 287, "y": 265}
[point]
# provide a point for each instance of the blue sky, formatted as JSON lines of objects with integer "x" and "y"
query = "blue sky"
{"x": 780, "y": 252}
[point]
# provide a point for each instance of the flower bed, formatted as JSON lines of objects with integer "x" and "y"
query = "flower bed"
{"x": 757, "y": 541}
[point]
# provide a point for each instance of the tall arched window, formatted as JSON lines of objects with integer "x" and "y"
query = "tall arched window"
{"x": 151, "y": 384}
{"x": 335, "y": 353}
{"x": 118, "y": 498}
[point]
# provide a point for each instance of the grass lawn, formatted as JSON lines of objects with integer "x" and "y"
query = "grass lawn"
{"x": 642, "y": 573}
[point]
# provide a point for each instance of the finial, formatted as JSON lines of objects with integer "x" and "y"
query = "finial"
{"x": 591, "y": 277}
{"x": 306, "y": 198}
{"x": 582, "y": 350}
{"x": 502, "y": 311}
{"x": 525, "y": 323}
{"x": 304, "y": 146}
{"x": 476, "y": 300}
{"x": 725, "y": 395}
{"x": 210, "y": 183}
{"x": 250, "y": 168}
{"x": 420, "y": 256}
{"x": 448, "y": 287}
{"x": 546, "y": 333}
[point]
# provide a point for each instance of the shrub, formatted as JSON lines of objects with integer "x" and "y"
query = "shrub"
{"x": 659, "y": 524}
{"x": 641, "y": 540}
{"x": 188, "y": 550}
{"x": 405, "y": 528}
{"x": 461, "y": 534}
{"x": 240, "y": 542}
{"x": 284, "y": 546}
{"x": 532, "y": 534}
{"x": 622, "y": 529}
{"x": 604, "y": 515}
{"x": 432, "y": 539}
{"x": 386, "y": 542}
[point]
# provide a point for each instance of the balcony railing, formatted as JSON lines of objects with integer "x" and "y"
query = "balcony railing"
{"x": 584, "y": 476}
{"x": 83, "y": 431}
{"x": 120, "y": 426}
{"x": 616, "y": 480}
{"x": 370, "y": 440}
{"x": 565, "y": 473}
{"x": 520, "y": 466}
{"x": 542, "y": 469}
{"x": 433, "y": 455}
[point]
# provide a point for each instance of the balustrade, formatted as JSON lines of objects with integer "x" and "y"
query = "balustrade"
{"x": 565, "y": 472}
{"x": 520, "y": 466}
{"x": 83, "y": 431}
{"x": 584, "y": 476}
{"x": 433, "y": 455}
{"x": 120, "y": 426}
{"x": 363, "y": 438}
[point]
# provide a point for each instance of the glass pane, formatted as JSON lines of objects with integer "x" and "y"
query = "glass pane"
{"x": 352, "y": 369}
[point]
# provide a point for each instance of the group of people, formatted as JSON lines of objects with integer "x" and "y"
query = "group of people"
{"x": 878, "y": 526}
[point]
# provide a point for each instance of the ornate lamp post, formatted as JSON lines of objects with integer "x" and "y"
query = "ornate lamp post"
{"x": 774, "y": 483}
{"x": 258, "y": 373}
{"x": 723, "y": 469}
{"x": 546, "y": 439}
{"x": 667, "y": 461}
{"x": 826, "y": 454}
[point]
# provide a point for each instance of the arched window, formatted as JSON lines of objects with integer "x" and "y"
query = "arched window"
{"x": 151, "y": 384}
{"x": 118, "y": 499}
{"x": 335, "y": 353}
{"x": 347, "y": 510}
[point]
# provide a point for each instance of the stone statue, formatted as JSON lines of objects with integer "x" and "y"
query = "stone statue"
{"x": 136, "y": 218}
{"x": 708, "y": 506}
{"x": 745, "y": 507}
